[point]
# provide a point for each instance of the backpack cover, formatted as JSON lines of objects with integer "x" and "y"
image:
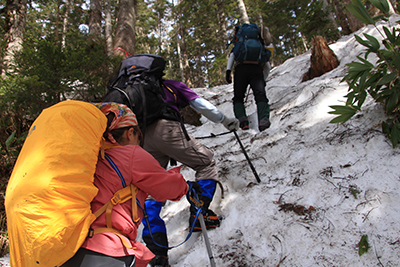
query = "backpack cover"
{"x": 138, "y": 85}
{"x": 249, "y": 45}
{"x": 51, "y": 187}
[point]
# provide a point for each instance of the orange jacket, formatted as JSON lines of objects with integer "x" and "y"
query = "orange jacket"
{"x": 139, "y": 168}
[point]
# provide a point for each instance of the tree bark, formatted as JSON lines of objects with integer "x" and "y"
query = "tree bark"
{"x": 108, "y": 27}
{"x": 265, "y": 33}
{"x": 178, "y": 48}
{"x": 326, "y": 6}
{"x": 95, "y": 19}
{"x": 125, "y": 31}
{"x": 243, "y": 11}
{"x": 186, "y": 66}
{"x": 323, "y": 59}
{"x": 354, "y": 23}
{"x": 222, "y": 25}
{"x": 68, "y": 5}
{"x": 342, "y": 17}
{"x": 14, "y": 31}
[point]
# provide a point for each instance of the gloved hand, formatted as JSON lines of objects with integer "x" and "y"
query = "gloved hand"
{"x": 228, "y": 76}
{"x": 231, "y": 123}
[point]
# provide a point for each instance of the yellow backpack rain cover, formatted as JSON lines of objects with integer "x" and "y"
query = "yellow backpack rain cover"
{"x": 50, "y": 189}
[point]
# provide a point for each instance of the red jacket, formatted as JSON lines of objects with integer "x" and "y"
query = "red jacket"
{"x": 139, "y": 168}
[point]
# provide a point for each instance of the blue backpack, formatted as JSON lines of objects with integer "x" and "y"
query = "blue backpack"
{"x": 249, "y": 45}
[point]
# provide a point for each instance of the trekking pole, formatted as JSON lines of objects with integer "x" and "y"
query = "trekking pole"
{"x": 247, "y": 157}
{"x": 204, "y": 230}
{"x": 195, "y": 202}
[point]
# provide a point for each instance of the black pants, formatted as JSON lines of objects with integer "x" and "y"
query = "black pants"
{"x": 246, "y": 74}
{"x": 87, "y": 258}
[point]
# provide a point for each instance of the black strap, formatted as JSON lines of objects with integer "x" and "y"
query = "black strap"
{"x": 144, "y": 113}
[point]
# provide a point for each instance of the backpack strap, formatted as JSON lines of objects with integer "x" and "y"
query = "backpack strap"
{"x": 121, "y": 196}
{"x": 180, "y": 118}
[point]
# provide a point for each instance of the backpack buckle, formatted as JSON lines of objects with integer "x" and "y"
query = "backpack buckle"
{"x": 91, "y": 233}
{"x": 115, "y": 200}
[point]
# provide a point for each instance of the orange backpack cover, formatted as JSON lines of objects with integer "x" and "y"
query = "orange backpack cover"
{"x": 50, "y": 189}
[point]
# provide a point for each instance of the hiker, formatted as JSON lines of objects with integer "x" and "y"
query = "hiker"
{"x": 118, "y": 246}
{"x": 253, "y": 72}
{"x": 167, "y": 139}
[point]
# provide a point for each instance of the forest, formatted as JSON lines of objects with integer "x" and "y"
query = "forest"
{"x": 52, "y": 51}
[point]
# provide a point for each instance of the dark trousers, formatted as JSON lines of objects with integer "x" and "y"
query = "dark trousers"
{"x": 87, "y": 258}
{"x": 249, "y": 74}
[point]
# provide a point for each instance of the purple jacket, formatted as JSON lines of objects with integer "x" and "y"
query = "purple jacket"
{"x": 181, "y": 96}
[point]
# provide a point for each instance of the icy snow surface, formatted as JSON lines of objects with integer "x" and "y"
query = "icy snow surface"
{"x": 345, "y": 177}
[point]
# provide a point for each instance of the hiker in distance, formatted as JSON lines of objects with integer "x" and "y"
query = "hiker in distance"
{"x": 251, "y": 61}
{"x": 112, "y": 239}
{"x": 167, "y": 139}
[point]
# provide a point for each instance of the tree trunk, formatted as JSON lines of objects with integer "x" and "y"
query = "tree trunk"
{"x": 342, "y": 17}
{"x": 14, "y": 31}
{"x": 95, "y": 19}
{"x": 199, "y": 73}
{"x": 326, "y": 6}
{"x": 68, "y": 5}
{"x": 243, "y": 12}
{"x": 323, "y": 59}
{"x": 265, "y": 33}
{"x": 222, "y": 26}
{"x": 57, "y": 15}
{"x": 178, "y": 48}
{"x": 304, "y": 42}
{"x": 125, "y": 31}
{"x": 354, "y": 23}
{"x": 108, "y": 27}
{"x": 186, "y": 66}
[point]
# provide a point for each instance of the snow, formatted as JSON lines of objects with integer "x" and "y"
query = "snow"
{"x": 345, "y": 177}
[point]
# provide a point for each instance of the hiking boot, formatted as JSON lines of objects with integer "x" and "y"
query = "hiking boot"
{"x": 264, "y": 124}
{"x": 159, "y": 261}
{"x": 211, "y": 221}
{"x": 244, "y": 123}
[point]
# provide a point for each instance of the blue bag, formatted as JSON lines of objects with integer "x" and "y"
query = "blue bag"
{"x": 249, "y": 45}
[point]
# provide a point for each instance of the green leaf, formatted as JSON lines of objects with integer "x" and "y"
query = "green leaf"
{"x": 358, "y": 67}
{"x": 392, "y": 103}
{"x": 361, "y": 41}
{"x": 15, "y": 153}
{"x": 375, "y": 45}
{"x": 382, "y": 5}
{"x": 346, "y": 112}
{"x": 363, "y": 245}
{"x": 389, "y": 35}
{"x": 379, "y": 17}
{"x": 359, "y": 11}
{"x": 395, "y": 136}
{"x": 9, "y": 140}
{"x": 388, "y": 78}
{"x": 396, "y": 62}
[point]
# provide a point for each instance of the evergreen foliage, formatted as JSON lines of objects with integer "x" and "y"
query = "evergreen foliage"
{"x": 381, "y": 80}
{"x": 59, "y": 61}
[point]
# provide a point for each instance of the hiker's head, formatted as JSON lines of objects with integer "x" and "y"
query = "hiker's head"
{"x": 122, "y": 125}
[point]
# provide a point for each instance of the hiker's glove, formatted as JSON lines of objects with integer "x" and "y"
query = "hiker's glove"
{"x": 228, "y": 76}
{"x": 231, "y": 123}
